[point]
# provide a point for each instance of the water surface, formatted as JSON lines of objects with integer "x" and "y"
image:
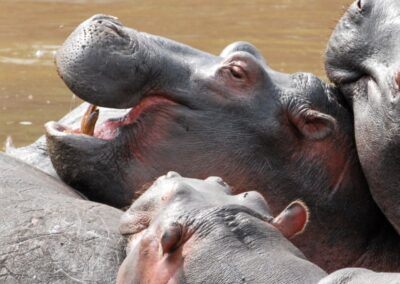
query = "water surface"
{"x": 291, "y": 34}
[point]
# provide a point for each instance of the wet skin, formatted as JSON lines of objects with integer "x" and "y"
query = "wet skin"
{"x": 196, "y": 231}
{"x": 363, "y": 59}
{"x": 287, "y": 136}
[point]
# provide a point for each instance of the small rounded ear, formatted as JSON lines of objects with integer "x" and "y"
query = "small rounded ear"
{"x": 170, "y": 238}
{"x": 313, "y": 124}
{"x": 292, "y": 220}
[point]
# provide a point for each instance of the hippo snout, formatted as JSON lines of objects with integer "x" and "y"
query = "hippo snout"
{"x": 97, "y": 62}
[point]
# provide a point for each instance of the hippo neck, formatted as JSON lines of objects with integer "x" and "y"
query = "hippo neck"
{"x": 343, "y": 216}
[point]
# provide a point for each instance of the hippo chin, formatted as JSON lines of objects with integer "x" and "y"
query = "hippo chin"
{"x": 196, "y": 231}
{"x": 363, "y": 59}
{"x": 287, "y": 136}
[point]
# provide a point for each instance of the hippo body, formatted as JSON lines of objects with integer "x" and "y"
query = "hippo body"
{"x": 185, "y": 230}
{"x": 49, "y": 234}
{"x": 287, "y": 136}
{"x": 363, "y": 59}
{"x": 360, "y": 276}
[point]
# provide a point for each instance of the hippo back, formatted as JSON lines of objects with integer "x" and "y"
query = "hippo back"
{"x": 49, "y": 234}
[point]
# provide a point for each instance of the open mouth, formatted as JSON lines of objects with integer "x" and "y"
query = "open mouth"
{"x": 109, "y": 128}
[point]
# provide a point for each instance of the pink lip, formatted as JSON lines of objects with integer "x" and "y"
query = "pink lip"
{"x": 108, "y": 130}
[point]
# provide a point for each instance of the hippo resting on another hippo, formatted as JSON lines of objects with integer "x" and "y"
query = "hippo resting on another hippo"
{"x": 285, "y": 136}
{"x": 363, "y": 59}
{"x": 195, "y": 231}
{"x": 48, "y": 234}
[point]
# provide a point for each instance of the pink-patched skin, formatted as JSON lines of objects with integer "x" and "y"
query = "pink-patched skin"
{"x": 185, "y": 230}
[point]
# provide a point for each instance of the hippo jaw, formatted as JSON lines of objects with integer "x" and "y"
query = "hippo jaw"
{"x": 98, "y": 160}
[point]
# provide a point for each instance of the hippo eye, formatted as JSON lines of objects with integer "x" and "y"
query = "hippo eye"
{"x": 237, "y": 72}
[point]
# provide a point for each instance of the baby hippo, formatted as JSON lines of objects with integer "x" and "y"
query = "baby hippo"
{"x": 185, "y": 230}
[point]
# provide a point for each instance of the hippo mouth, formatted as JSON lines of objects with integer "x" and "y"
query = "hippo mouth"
{"x": 111, "y": 127}
{"x": 348, "y": 83}
{"x": 354, "y": 85}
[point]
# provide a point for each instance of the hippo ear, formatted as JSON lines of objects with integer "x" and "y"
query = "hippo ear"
{"x": 313, "y": 124}
{"x": 170, "y": 238}
{"x": 292, "y": 220}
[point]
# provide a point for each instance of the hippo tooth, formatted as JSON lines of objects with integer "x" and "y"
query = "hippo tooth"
{"x": 89, "y": 120}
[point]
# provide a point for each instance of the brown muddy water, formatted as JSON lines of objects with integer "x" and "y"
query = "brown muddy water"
{"x": 290, "y": 33}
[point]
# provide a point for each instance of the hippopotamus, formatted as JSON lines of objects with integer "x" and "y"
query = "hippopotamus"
{"x": 287, "y": 136}
{"x": 184, "y": 230}
{"x": 362, "y": 58}
{"x": 360, "y": 276}
{"x": 50, "y": 234}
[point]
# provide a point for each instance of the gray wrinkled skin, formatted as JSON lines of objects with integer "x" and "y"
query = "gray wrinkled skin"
{"x": 363, "y": 59}
{"x": 287, "y": 136}
{"x": 224, "y": 238}
{"x": 48, "y": 234}
{"x": 360, "y": 276}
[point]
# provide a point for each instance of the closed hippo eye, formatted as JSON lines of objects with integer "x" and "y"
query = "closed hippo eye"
{"x": 241, "y": 69}
{"x": 237, "y": 72}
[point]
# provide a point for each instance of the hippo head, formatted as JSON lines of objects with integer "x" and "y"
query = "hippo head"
{"x": 195, "y": 231}
{"x": 229, "y": 115}
{"x": 363, "y": 59}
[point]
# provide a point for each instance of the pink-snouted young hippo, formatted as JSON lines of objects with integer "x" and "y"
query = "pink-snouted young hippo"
{"x": 196, "y": 231}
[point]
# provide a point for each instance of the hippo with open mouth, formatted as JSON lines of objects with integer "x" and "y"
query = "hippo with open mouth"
{"x": 287, "y": 136}
{"x": 185, "y": 230}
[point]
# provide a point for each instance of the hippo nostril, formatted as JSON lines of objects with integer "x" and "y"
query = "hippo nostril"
{"x": 171, "y": 237}
{"x": 100, "y": 18}
{"x": 397, "y": 80}
{"x": 218, "y": 180}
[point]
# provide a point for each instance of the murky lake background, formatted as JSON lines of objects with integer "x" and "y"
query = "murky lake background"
{"x": 290, "y": 33}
